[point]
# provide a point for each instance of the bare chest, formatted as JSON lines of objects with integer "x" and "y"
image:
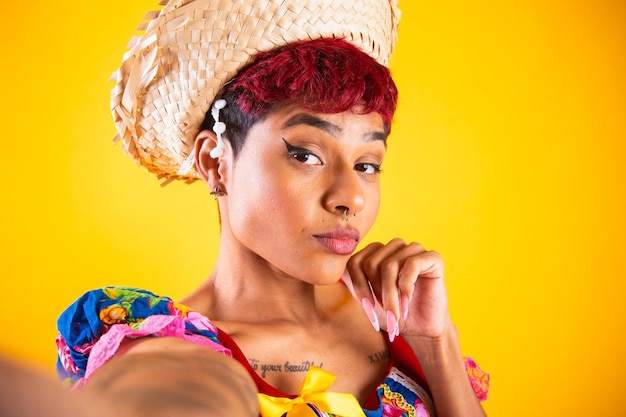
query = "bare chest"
{"x": 358, "y": 361}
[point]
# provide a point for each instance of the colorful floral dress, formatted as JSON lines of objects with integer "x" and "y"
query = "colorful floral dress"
{"x": 92, "y": 329}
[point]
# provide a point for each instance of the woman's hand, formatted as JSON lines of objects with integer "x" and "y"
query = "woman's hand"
{"x": 400, "y": 285}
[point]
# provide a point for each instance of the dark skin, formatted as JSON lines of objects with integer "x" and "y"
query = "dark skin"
{"x": 270, "y": 343}
{"x": 149, "y": 377}
{"x": 167, "y": 376}
{"x": 287, "y": 236}
{"x": 283, "y": 277}
{"x": 26, "y": 391}
{"x": 288, "y": 301}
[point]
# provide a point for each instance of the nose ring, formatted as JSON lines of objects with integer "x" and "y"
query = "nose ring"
{"x": 345, "y": 214}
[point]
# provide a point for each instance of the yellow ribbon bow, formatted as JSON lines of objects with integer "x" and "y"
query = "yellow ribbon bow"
{"x": 312, "y": 391}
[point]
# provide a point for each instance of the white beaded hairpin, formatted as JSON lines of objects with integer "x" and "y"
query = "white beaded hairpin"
{"x": 219, "y": 128}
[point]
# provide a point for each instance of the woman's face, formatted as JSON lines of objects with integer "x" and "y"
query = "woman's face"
{"x": 290, "y": 186}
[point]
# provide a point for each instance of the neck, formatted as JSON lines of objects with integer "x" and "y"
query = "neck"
{"x": 243, "y": 279}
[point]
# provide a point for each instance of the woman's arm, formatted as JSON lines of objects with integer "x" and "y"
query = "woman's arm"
{"x": 163, "y": 377}
{"x": 405, "y": 284}
{"x": 151, "y": 377}
{"x": 444, "y": 367}
{"x": 28, "y": 392}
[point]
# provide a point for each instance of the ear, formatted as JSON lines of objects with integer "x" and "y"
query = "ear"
{"x": 213, "y": 171}
{"x": 206, "y": 166}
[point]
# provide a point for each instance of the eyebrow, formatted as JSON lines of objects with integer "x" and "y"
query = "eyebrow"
{"x": 328, "y": 127}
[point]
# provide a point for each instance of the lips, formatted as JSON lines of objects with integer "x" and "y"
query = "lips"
{"x": 339, "y": 241}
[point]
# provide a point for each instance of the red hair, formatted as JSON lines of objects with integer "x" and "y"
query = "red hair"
{"x": 326, "y": 75}
{"x": 323, "y": 75}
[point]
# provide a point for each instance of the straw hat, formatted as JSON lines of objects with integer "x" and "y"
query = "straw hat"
{"x": 191, "y": 48}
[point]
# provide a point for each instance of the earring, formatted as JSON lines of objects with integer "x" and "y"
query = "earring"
{"x": 217, "y": 192}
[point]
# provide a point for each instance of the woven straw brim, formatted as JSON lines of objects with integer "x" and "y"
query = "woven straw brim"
{"x": 191, "y": 48}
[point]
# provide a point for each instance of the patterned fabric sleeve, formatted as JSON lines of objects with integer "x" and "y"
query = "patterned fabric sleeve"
{"x": 93, "y": 327}
{"x": 478, "y": 378}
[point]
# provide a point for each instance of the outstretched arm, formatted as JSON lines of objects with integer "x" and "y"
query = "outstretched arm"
{"x": 163, "y": 377}
{"x": 154, "y": 377}
{"x": 28, "y": 392}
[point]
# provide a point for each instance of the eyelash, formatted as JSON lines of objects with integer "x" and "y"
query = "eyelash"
{"x": 376, "y": 167}
{"x": 301, "y": 155}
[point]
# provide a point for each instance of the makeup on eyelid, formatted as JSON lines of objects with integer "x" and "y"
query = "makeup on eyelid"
{"x": 300, "y": 154}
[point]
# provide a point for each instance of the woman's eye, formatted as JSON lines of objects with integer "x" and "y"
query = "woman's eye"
{"x": 302, "y": 155}
{"x": 368, "y": 168}
{"x": 306, "y": 157}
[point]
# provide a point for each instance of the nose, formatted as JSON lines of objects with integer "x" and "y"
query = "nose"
{"x": 344, "y": 192}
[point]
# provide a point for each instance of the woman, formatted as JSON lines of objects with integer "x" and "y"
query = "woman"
{"x": 291, "y": 147}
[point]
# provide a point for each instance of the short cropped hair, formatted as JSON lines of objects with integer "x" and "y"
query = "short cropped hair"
{"x": 323, "y": 75}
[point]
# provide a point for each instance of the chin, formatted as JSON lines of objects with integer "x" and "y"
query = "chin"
{"x": 321, "y": 283}
{"x": 325, "y": 275}
{"x": 317, "y": 270}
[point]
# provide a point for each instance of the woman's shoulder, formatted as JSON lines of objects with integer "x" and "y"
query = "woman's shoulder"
{"x": 92, "y": 328}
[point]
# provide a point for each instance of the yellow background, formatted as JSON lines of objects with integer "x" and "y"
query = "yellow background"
{"x": 507, "y": 156}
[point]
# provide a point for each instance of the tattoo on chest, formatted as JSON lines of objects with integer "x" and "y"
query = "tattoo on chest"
{"x": 379, "y": 356}
{"x": 263, "y": 368}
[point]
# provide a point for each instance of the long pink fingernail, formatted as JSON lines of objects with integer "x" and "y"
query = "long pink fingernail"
{"x": 404, "y": 305}
{"x": 371, "y": 315}
{"x": 392, "y": 325}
